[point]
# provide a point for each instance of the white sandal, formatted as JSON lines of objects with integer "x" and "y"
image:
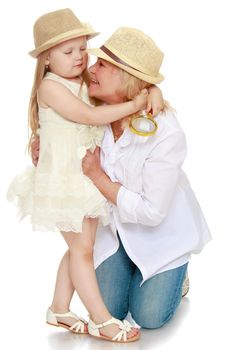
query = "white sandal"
{"x": 77, "y": 327}
{"x": 120, "y": 337}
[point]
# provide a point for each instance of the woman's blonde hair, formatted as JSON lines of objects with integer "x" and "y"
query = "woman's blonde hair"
{"x": 33, "y": 117}
{"x": 131, "y": 86}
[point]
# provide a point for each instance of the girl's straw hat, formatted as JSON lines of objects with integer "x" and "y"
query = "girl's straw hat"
{"x": 56, "y": 27}
{"x": 133, "y": 51}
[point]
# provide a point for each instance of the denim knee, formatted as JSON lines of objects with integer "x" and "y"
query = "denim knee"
{"x": 118, "y": 311}
{"x": 154, "y": 302}
{"x": 153, "y": 319}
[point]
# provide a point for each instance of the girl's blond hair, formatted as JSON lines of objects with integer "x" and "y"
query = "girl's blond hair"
{"x": 33, "y": 117}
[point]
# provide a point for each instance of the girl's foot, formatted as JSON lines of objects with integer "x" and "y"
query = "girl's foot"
{"x": 67, "y": 320}
{"x": 114, "y": 330}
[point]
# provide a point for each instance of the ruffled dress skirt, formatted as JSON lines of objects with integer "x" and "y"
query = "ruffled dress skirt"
{"x": 56, "y": 195}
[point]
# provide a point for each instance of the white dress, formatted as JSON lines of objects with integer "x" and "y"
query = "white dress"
{"x": 56, "y": 194}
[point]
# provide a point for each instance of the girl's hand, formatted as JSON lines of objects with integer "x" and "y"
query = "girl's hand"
{"x": 35, "y": 147}
{"x": 91, "y": 165}
{"x": 141, "y": 99}
{"x": 155, "y": 102}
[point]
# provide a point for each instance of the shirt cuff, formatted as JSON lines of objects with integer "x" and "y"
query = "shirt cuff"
{"x": 127, "y": 202}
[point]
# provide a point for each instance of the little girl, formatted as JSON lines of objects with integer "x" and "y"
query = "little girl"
{"x": 57, "y": 195}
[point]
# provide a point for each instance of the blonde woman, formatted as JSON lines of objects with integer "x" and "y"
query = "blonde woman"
{"x": 157, "y": 224}
{"x": 57, "y": 195}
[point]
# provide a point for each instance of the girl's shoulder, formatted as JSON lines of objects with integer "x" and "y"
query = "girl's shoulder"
{"x": 53, "y": 81}
{"x": 49, "y": 86}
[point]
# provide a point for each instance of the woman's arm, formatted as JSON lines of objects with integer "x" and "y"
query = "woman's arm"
{"x": 92, "y": 168}
{"x": 58, "y": 97}
{"x": 160, "y": 176}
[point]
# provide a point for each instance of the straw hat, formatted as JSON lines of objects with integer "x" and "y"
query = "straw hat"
{"x": 133, "y": 51}
{"x": 56, "y": 27}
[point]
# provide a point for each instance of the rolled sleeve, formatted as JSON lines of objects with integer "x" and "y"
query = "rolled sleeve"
{"x": 133, "y": 208}
{"x": 160, "y": 176}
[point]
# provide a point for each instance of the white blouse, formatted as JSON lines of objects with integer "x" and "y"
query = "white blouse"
{"x": 158, "y": 218}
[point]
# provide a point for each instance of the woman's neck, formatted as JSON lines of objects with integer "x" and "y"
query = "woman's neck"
{"x": 117, "y": 129}
{"x": 118, "y": 125}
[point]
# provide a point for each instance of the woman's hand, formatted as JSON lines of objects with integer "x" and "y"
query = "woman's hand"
{"x": 91, "y": 165}
{"x": 155, "y": 101}
{"x": 92, "y": 168}
{"x": 35, "y": 147}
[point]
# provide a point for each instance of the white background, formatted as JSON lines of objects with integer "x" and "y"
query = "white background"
{"x": 198, "y": 39}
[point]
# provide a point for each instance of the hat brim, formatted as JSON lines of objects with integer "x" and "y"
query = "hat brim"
{"x": 60, "y": 39}
{"x": 150, "y": 79}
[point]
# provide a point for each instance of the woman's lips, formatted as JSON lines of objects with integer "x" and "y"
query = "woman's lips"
{"x": 93, "y": 81}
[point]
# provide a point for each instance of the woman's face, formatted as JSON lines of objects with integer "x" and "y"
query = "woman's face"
{"x": 105, "y": 82}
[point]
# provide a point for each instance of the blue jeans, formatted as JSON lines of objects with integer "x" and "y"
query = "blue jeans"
{"x": 152, "y": 304}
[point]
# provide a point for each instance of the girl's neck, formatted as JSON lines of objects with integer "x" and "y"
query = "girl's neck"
{"x": 77, "y": 79}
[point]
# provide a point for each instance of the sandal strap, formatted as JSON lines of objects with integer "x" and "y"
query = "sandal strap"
{"x": 54, "y": 318}
{"x": 112, "y": 320}
{"x": 78, "y": 326}
{"x": 67, "y": 314}
{"x": 124, "y": 326}
{"x": 72, "y": 315}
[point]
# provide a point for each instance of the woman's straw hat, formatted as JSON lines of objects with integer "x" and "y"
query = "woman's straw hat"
{"x": 56, "y": 27}
{"x": 133, "y": 51}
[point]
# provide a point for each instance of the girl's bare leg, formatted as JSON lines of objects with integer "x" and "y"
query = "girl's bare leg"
{"x": 63, "y": 292}
{"x": 64, "y": 288}
{"x": 83, "y": 277}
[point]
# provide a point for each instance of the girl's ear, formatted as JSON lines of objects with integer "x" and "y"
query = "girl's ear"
{"x": 47, "y": 61}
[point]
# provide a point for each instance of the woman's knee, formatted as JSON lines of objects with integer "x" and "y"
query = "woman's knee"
{"x": 118, "y": 311}
{"x": 154, "y": 303}
{"x": 152, "y": 320}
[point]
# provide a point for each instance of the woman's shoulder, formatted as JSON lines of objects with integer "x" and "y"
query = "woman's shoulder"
{"x": 168, "y": 122}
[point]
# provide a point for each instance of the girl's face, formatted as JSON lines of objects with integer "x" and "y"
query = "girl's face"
{"x": 68, "y": 59}
{"x": 105, "y": 82}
